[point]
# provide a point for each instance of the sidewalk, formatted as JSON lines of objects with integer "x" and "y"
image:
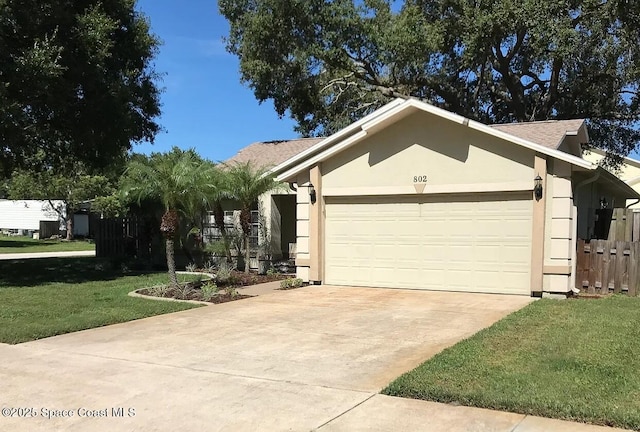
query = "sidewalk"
{"x": 260, "y": 289}
{"x": 385, "y": 413}
{"x": 20, "y": 256}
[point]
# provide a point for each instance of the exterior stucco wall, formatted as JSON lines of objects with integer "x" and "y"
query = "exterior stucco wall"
{"x": 303, "y": 204}
{"x": 559, "y": 229}
{"x": 425, "y": 145}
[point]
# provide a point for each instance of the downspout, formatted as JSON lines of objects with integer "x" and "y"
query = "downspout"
{"x": 584, "y": 182}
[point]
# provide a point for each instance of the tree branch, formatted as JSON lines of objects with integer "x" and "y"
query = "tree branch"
{"x": 516, "y": 47}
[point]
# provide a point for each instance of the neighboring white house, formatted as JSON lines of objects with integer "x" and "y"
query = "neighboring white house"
{"x": 25, "y": 215}
{"x": 629, "y": 172}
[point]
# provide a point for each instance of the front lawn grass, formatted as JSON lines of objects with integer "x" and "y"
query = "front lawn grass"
{"x": 575, "y": 360}
{"x": 51, "y": 296}
{"x": 21, "y": 244}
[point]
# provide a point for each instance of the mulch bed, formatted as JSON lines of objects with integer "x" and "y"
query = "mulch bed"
{"x": 194, "y": 293}
{"x": 239, "y": 279}
{"x": 236, "y": 280}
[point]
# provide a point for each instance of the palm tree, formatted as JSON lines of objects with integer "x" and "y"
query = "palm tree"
{"x": 180, "y": 180}
{"x": 247, "y": 183}
{"x": 220, "y": 192}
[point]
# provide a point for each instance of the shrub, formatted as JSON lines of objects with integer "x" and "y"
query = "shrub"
{"x": 159, "y": 290}
{"x": 224, "y": 273}
{"x": 210, "y": 266}
{"x": 183, "y": 291}
{"x": 209, "y": 290}
{"x": 192, "y": 267}
{"x": 291, "y": 283}
{"x": 232, "y": 291}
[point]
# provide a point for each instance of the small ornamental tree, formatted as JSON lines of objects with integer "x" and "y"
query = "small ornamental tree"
{"x": 179, "y": 180}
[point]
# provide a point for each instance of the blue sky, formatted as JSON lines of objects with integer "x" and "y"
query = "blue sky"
{"x": 204, "y": 104}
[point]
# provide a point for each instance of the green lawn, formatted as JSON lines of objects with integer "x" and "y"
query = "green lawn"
{"x": 50, "y": 296}
{"x": 575, "y": 360}
{"x": 19, "y": 244}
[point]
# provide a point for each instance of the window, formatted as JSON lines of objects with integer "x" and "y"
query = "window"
{"x": 212, "y": 232}
{"x": 255, "y": 225}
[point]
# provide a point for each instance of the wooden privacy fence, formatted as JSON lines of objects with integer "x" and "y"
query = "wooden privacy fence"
{"x": 121, "y": 237}
{"x": 605, "y": 266}
{"x": 48, "y": 229}
{"x": 619, "y": 224}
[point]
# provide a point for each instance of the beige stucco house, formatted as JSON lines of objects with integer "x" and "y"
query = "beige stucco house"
{"x": 412, "y": 196}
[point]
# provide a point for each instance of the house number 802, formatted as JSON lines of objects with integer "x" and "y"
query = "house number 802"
{"x": 420, "y": 179}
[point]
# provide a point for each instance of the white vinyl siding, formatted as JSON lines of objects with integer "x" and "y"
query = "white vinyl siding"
{"x": 26, "y": 214}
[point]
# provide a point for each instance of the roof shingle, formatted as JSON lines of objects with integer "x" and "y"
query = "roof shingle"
{"x": 549, "y": 133}
{"x": 271, "y": 153}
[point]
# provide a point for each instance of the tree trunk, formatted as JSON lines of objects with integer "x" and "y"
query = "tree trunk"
{"x": 245, "y": 224}
{"x": 247, "y": 254}
{"x": 168, "y": 227}
{"x": 69, "y": 226}
{"x": 171, "y": 263}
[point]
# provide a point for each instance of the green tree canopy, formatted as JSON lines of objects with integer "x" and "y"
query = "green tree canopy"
{"x": 76, "y": 82}
{"x": 328, "y": 63}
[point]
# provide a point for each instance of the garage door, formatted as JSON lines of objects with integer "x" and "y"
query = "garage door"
{"x": 475, "y": 243}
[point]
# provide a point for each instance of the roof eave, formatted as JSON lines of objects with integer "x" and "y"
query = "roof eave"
{"x": 624, "y": 187}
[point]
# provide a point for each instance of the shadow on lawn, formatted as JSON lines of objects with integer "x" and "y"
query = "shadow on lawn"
{"x": 18, "y": 243}
{"x": 40, "y": 271}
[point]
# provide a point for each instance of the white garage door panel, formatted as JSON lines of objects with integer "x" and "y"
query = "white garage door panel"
{"x": 477, "y": 243}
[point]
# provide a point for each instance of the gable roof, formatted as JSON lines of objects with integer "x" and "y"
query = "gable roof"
{"x": 555, "y": 131}
{"x": 272, "y": 153}
{"x": 542, "y": 136}
{"x": 548, "y": 133}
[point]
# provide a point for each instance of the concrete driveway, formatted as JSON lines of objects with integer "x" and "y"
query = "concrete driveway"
{"x": 32, "y": 255}
{"x": 291, "y": 360}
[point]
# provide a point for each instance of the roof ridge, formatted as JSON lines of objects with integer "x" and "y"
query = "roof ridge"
{"x": 536, "y": 122}
{"x": 275, "y": 141}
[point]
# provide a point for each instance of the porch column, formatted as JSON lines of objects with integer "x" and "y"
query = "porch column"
{"x": 537, "y": 239}
{"x": 316, "y": 227}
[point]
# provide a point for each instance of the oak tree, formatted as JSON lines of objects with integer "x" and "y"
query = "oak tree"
{"x": 77, "y": 82}
{"x": 328, "y": 63}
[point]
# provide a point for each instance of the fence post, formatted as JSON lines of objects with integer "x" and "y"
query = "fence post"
{"x": 636, "y": 227}
{"x": 628, "y": 224}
